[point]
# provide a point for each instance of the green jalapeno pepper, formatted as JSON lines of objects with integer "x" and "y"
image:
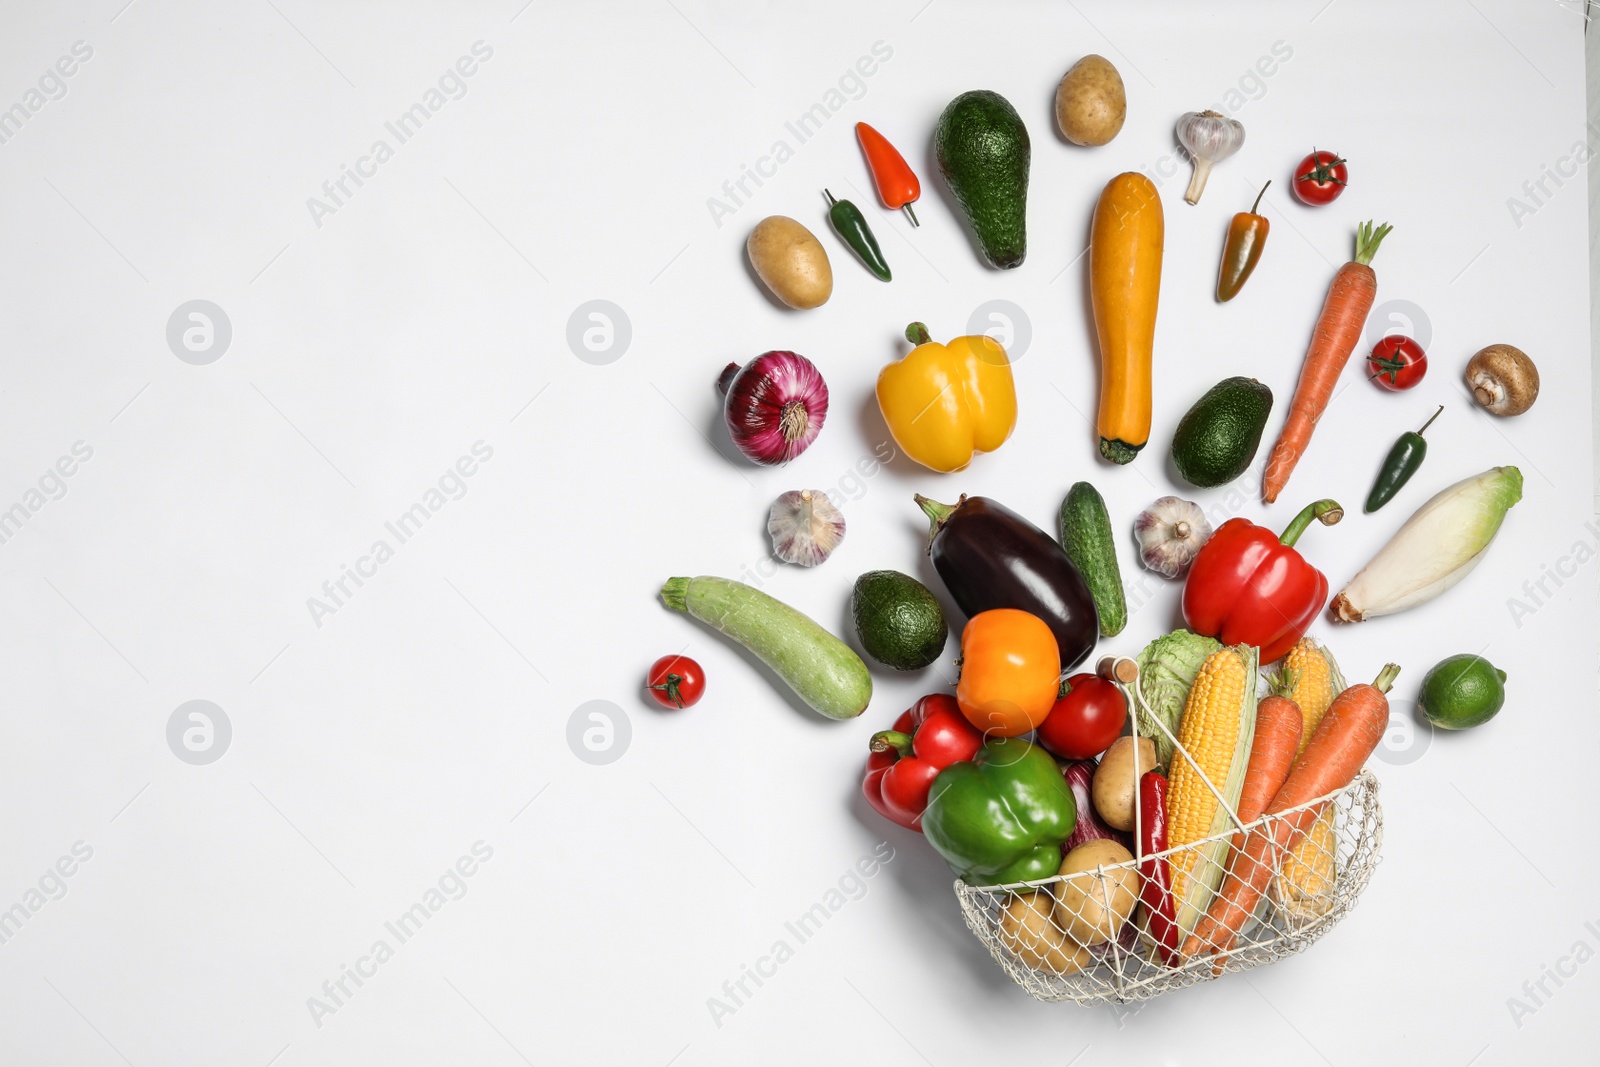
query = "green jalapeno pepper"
{"x": 852, "y": 229}
{"x": 1401, "y": 463}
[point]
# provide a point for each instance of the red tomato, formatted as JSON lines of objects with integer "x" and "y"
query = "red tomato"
{"x": 675, "y": 682}
{"x": 1320, "y": 178}
{"x": 1397, "y": 362}
{"x": 1083, "y": 723}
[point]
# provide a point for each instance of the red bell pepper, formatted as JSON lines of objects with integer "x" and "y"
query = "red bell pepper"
{"x": 1248, "y": 587}
{"x": 1155, "y": 874}
{"x": 905, "y": 761}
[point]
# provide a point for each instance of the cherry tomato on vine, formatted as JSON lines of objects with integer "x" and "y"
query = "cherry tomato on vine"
{"x": 676, "y": 682}
{"x": 1397, "y": 362}
{"x": 1320, "y": 178}
{"x": 1085, "y": 720}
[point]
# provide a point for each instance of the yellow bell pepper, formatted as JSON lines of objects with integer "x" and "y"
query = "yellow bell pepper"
{"x": 946, "y": 403}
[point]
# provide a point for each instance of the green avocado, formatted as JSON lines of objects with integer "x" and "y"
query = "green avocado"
{"x": 898, "y": 620}
{"x": 983, "y": 152}
{"x": 1218, "y": 437}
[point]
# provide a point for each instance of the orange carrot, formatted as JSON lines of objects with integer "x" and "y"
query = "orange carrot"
{"x": 1277, "y": 739}
{"x": 1344, "y": 313}
{"x": 1347, "y": 735}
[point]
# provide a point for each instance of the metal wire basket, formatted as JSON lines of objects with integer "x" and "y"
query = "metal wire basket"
{"x": 1084, "y": 937}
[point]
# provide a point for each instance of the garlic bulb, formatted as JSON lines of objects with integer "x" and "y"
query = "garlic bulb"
{"x": 805, "y": 527}
{"x": 1209, "y": 137}
{"x": 1170, "y": 533}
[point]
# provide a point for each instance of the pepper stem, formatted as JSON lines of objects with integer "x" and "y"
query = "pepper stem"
{"x": 918, "y": 334}
{"x": 1425, "y": 425}
{"x": 938, "y": 513}
{"x": 1386, "y": 677}
{"x": 831, "y": 200}
{"x": 1326, "y": 512}
{"x": 1259, "y": 195}
{"x": 887, "y": 740}
{"x": 912, "y": 215}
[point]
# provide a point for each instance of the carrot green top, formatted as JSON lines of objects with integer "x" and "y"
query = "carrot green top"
{"x": 1368, "y": 239}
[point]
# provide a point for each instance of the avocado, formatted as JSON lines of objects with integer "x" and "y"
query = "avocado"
{"x": 1218, "y": 437}
{"x": 898, "y": 620}
{"x": 983, "y": 152}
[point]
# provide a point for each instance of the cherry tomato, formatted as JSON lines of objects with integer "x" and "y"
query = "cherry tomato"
{"x": 1320, "y": 178}
{"x": 676, "y": 682}
{"x": 1085, "y": 721}
{"x": 1397, "y": 362}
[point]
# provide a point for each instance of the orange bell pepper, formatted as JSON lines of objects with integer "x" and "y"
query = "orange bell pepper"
{"x": 1010, "y": 671}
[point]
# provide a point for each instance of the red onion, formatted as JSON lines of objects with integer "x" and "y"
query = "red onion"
{"x": 775, "y": 405}
{"x": 1079, "y": 773}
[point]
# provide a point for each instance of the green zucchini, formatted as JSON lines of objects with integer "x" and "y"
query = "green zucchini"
{"x": 1086, "y": 537}
{"x": 820, "y": 668}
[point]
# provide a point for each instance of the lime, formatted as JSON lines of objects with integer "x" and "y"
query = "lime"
{"x": 898, "y": 620}
{"x": 1462, "y": 691}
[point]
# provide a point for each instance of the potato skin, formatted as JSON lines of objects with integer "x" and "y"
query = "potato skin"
{"x": 1091, "y": 102}
{"x": 791, "y": 262}
{"x": 1092, "y": 907}
{"x": 1028, "y": 930}
{"x": 1116, "y": 778}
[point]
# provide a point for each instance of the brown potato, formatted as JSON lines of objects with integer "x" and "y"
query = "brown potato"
{"x": 1092, "y": 905}
{"x": 1091, "y": 102}
{"x": 791, "y": 262}
{"x": 1027, "y": 931}
{"x": 1115, "y": 780}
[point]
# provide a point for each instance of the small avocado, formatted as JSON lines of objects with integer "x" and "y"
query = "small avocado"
{"x": 898, "y": 620}
{"x": 1218, "y": 437}
{"x": 983, "y": 152}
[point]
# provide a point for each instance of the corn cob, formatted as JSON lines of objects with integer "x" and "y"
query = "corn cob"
{"x": 1311, "y": 679}
{"x": 1218, "y": 726}
{"x": 1303, "y": 889}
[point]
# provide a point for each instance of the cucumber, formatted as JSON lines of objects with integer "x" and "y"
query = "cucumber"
{"x": 820, "y": 668}
{"x": 1086, "y": 537}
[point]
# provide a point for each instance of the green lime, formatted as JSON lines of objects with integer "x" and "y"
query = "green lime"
{"x": 1462, "y": 691}
{"x": 898, "y": 620}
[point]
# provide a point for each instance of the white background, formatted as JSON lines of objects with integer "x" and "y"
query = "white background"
{"x": 370, "y": 352}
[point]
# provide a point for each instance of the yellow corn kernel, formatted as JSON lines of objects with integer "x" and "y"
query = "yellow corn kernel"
{"x": 1310, "y": 685}
{"x": 1304, "y": 887}
{"x": 1210, "y": 734}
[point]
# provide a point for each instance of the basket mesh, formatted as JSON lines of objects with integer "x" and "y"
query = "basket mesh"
{"x": 1037, "y": 931}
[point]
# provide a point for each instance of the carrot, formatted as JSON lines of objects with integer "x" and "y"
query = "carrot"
{"x": 1277, "y": 739}
{"x": 1347, "y": 735}
{"x": 1344, "y": 313}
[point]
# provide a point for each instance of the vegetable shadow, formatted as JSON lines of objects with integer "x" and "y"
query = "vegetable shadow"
{"x": 924, "y": 882}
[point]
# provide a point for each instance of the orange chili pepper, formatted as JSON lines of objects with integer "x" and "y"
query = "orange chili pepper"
{"x": 897, "y": 183}
{"x": 1010, "y": 671}
{"x": 1247, "y": 236}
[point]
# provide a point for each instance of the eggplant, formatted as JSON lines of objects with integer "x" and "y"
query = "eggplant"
{"x": 989, "y": 557}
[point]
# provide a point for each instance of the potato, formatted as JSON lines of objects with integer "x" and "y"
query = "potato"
{"x": 1115, "y": 780}
{"x": 1090, "y": 102}
{"x": 791, "y": 262}
{"x": 1027, "y": 931}
{"x": 1093, "y": 905}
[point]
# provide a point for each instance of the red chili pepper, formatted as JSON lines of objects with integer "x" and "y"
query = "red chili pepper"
{"x": 1249, "y": 587}
{"x": 1155, "y": 874}
{"x": 897, "y": 183}
{"x": 905, "y": 761}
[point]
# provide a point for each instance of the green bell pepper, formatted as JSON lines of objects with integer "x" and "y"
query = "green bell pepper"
{"x": 1002, "y": 817}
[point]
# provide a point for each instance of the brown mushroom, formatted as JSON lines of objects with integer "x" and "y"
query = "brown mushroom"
{"x": 1503, "y": 380}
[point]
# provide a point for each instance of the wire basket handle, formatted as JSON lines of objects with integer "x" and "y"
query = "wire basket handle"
{"x": 1124, "y": 673}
